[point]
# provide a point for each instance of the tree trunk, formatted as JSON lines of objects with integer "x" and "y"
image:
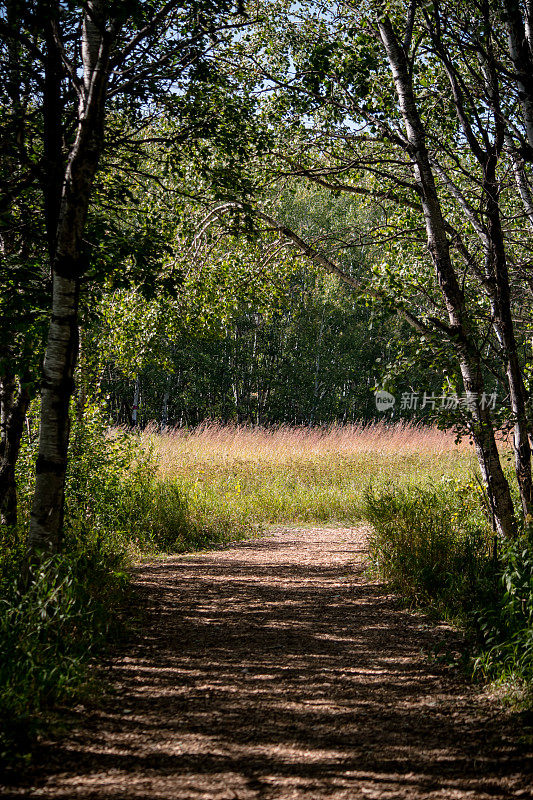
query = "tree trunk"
{"x": 460, "y": 328}
{"x": 164, "y": 412}
{"x": 58, "y": 384}
{"x": 13, "y": 415}
{"x": 136, "y": 395}
{"x": 503, "y": 324}
{"x": 67, "y": 269}
{"x": 522, "y": 58}
{"x": 82, "y": 378}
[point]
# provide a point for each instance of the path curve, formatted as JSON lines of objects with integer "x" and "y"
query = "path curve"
{"x": 275, "y": 670}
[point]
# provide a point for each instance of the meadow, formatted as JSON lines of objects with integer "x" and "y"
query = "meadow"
{"x": 135, "y": 495}
{"x": 293, "y": 475}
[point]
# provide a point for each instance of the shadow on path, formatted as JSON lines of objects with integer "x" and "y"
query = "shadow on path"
{"x": 275, "y": 670}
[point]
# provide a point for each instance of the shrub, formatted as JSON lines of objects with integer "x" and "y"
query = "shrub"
{"x": 116, "y": 506}
{"x": 507, "y": 626}
{"x": 433, "y": 544}
{"x": 47, "y": 634}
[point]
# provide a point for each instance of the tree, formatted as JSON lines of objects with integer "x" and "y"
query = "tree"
{"x": 403, "y": 103}
{"x": 100, "y": 74}
{"x": 252, "y": 335}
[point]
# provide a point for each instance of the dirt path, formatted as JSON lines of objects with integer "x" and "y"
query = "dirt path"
{"x": 275, "y": 669}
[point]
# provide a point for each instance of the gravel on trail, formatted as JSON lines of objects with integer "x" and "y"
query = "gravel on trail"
{"x": 274, "y": 669}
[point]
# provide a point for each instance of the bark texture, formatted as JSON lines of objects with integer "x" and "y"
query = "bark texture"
{"x": 67, "y": 268}
{"x": 521, "y": 52}
{"x": 57, "y": 388}
{"x": 461, "y": 332}
{"x": 13, "y": 410}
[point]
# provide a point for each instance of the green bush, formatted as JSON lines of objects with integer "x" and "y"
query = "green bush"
{"x": 435, "y": 547}
{"x": 117, "y": 498}
{"x": 507, "y": 626}
{"x": 180, "y": 521}
{"x": 47, "y": 634}
{"x": 116, "y": 507}
{"x": 433, "y": 544}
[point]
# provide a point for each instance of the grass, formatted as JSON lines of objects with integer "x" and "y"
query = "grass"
{"x": 288, "y": 475}
{"x": 48, "y": 634}
{"x": 433, "y": 544}
{"x": 130, "y": 495}
{"x": 430, "y": 536}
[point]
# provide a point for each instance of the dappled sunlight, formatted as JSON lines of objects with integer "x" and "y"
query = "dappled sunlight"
{"x": 276, "y": 669}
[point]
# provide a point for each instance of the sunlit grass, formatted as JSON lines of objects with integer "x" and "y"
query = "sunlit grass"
{"x": 287, "y": 474}
{"x": 419, "y": 491}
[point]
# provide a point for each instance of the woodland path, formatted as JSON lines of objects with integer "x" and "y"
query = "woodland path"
{"x": 275, "y": 670}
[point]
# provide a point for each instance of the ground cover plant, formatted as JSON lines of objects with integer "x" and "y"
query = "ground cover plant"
{"x": 119, "y": 509}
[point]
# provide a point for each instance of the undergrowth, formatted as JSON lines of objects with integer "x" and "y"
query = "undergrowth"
{"x": 434, "y": 545}
{"x": 118, "y": 507}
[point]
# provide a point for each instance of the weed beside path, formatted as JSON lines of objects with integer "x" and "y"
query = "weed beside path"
{"x": 275, "y": 670}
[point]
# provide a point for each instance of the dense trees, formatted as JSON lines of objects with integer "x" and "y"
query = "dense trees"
{"x": 175, "y": 165}
{"x": 85, "y": 80}
{"x": 418, "y": 107}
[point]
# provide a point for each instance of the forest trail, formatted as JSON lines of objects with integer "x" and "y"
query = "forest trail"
{"x": 275, "y": 670}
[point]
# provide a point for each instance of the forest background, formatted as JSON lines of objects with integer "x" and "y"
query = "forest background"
{"x": 261, "y": 214}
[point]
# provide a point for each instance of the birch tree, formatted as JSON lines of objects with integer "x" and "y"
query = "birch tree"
{"x": 410, "y": 104}
{"x": 94, "y": 63}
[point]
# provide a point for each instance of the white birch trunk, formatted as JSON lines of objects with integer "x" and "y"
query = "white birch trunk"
{"x": 58, "y": 383}
{"x": 67, "y": 267}
{"x": 482, "y": 429}
{"x": 136, "y": 395}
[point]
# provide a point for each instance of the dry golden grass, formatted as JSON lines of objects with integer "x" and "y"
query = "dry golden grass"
{"x": 295, "y": 474}
{"x": 285, "y": 443}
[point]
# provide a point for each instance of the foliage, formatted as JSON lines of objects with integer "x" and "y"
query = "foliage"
{"x": 434, "y": 546}
{"x": 252, "y": 335}
{"x": 49, "y": 631}
{"x": 118, "y": 508}
{"x": 432, "y": 542}
{"x": 507, "y": 626}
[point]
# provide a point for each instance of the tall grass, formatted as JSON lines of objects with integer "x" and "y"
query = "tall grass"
{"x": 433, "y": 543}
{"x": 286, "y": 474}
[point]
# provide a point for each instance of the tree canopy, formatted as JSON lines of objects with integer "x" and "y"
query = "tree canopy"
{"x": 265, "y": 212}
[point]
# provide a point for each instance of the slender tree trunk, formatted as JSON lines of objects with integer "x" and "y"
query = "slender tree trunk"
{"x": 482, "y": 429}
{"x": 522, "y": 57}
{"x": 67, "y": 268}
{"x": 58, "y": 385}
{"x": 136, "y": 395}
{"x": 164, "y": 412}
{"x": 522, "y": 183}
{"x": 503, "y": 324}
{"x": 13, "y": 416}
{"x": 82, "y": 378}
